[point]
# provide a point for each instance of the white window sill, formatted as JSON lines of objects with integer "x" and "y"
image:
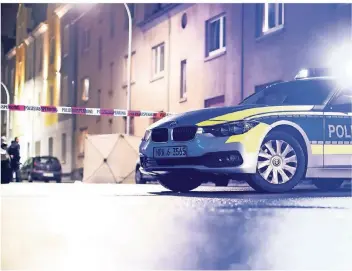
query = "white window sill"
{"x": 157, "y": 77}
{"x": 215, "y": 54}
{"x": 183, "y": 100}
{"x": 273, "y": 31}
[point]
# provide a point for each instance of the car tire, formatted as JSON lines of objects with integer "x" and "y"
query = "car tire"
{"x": 222, "y": 181}
{"x": 281, "y": 164}
{"x": 180, "y": 183}
{"x": 30, "y": 178}
{"x": 138, "y": 177}
{"x": 58, "y": 180}
{"x": 328, "y": 184}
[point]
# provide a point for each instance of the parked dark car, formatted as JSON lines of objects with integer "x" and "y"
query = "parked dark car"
{"x": 42, "y": 168}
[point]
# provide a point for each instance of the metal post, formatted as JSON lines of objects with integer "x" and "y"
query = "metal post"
{"x": 8, "y": 112}
{"x": 128, "y": 122}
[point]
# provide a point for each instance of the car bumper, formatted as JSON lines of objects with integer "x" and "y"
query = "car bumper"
{"x": 206, "y": 154}
{"x": 46, "y": 176}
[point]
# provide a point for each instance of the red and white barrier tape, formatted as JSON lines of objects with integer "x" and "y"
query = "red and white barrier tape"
{"x": 83, "y": 111}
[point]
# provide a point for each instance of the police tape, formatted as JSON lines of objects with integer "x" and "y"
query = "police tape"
{"x": 84, "y": 111}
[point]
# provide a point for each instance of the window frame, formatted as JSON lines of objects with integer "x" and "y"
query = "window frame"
{"x": 156, "y": 60}
{"x": 222, "y": 35}
{"x": 85, "y": 93}
{"x": 66, "y": 40}
{"x": 183, "y": 80}
{"x": 265, "y": 18}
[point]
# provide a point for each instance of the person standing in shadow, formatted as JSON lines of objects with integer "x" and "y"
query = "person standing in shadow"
{"x": 14, "y": 152}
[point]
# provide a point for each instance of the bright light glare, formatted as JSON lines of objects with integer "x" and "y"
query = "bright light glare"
{"x": 340, "y": 61}
{"x": 302, "y": 74}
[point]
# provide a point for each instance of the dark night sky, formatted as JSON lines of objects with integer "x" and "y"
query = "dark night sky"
{"x": 8, "y": 18}
{"x": 8, "y": 25}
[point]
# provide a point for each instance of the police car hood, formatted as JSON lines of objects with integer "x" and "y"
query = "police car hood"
{"x": 218, "y": 115}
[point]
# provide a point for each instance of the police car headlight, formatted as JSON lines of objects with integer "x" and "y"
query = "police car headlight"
{"x": 228, "y": 129}
{"x": 147, "y": 135}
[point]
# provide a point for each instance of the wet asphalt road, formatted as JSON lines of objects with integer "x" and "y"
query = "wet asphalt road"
{"x": 120, "y": 227}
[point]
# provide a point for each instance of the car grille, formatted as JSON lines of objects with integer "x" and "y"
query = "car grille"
{"x": 160, "y": 135}
{"x": 184, "y": 133}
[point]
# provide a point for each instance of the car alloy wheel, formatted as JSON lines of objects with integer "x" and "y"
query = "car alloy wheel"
{"x": 281, "y": 164}
{"x": 277, "y": 162}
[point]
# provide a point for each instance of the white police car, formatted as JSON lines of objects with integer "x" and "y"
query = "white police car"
{"x": 275, "y": 138}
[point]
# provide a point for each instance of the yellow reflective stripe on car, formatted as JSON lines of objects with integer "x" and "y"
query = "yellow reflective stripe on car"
{"x": 317, "y": 149}
{"x": 320, "y": 149}
{"x": 239, "y": 115}
{"x": 252, "y": 139}
{"x": 337, "y": 149}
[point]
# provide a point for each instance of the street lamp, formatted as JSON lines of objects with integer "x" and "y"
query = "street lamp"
{"x": 8, "y": 112}
{"x": 128, "y": 122}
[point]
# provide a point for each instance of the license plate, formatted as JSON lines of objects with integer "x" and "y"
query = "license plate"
{"x": 170, "y": 152}
{"x": 48, "y": 174}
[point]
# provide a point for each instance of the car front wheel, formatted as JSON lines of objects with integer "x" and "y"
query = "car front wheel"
{"x": 281, "y": 164}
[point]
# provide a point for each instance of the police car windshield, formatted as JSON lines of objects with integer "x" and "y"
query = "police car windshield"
{"x": 300, "y": 92}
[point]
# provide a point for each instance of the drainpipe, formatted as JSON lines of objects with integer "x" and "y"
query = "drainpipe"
{"x": 128, "y": 122}
{"x": 169, "y": 65}
{"x": 242, "y": 52}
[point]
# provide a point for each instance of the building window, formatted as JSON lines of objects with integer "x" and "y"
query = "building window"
{"x": 37, "y": 148}
{"x": 183, "y": 84}
{"x": 85, "y": 40}
{"x": 63, "y": 148}
{"x": 52, "y": 50}
{"x": 216, "y": 35}
{"x": 270, "y": 17}
{"x": 100, "y": 53}
{"x": 66, "y": 39}
{"x": 112, "y": 23}
{"x": 51, "y": 146}
{"x": 158, "y": 59}
{"x": 82, "y": 140}
{"x": 51, "y": 95}
{"x": 64, "y": 91}
{"x": 85, "y": 89}
{"x": 215, "y": 102}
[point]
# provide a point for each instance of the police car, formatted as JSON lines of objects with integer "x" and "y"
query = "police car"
{"x": 274, "y": 139}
